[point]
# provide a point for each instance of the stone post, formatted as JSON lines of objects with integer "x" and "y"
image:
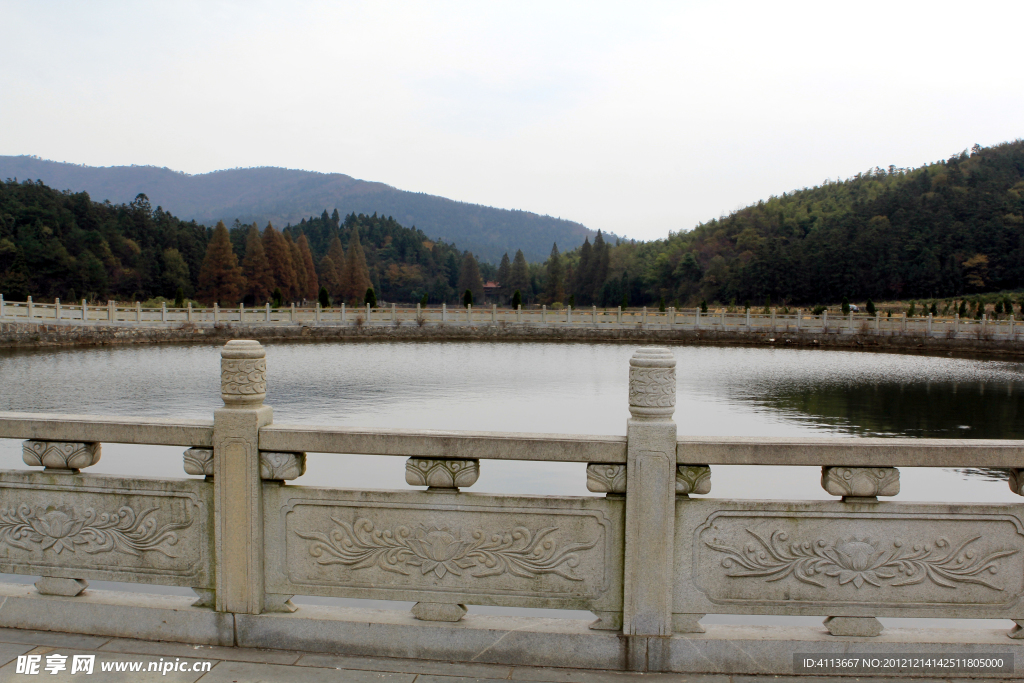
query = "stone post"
{"x": 216, "y": 311}
{"x": 956, "y": 323}
{"x": 85, "y": 309}
{"x": 824, "y": 321}
{"x": 238, "y": 492}
{"x": 369, "y": 313}
{"x": 671, "y": 315}
{"x": 905, "y": 321}
{"x": 519, "y": 313}
{"x": 799, "y": 315}
{"x": 110, "y": 310}
{"x": 419, "y": 310}
{"x": 29, "y": 303}
{"x": 267, "y": 309}
{"x": 188, "y": 313}
{"x": 56, "y": 310}
{"x": 1, "y": 305}
{"x": 643, "y": 318}
{"x": 394, "y": 314}
{"x": 850, "y": 324}
{"x": 342, "y": 311}
{"x": 444, "y": 312}
{"x": 544, "y": 313}
{"x": 748, "y": 320}
{"x": 929, "y": 324}
{"x": 494, "y": 313}
{"x": 650, "y": 501}
{"x": 696, "y": 318}
{"x": 618, "y": 315}
{"x": 318, "y": 311}
{"x": 293, "y": 312}
{"x": 568, "y": 315}
{"x": 469, "y": 313}
{"x": 1011, "y": 317}
{"x": 163, "y": 312}
{"x": 722, "y": 317}
{"x": 773, "y": 320}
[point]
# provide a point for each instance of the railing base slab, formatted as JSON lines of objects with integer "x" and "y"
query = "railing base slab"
{"x": 514, "y": 641}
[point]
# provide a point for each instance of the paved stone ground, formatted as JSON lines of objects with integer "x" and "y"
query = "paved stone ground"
{"x": 240, "y": 665}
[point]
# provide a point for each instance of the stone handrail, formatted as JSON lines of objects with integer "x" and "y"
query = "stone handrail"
{"x": 650, "y": 557}
{"x": 721, "y": 320}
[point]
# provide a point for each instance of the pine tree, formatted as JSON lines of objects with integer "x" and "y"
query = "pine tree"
{"x": 469, "y": 277}
{"x": 599, "y": 260}
{"x": 220, "y": 278}
{"x": 519, "y": 276}
{"x": 298, "y": 292}
{"x": 280, "y": 260}
{"x": 312, "y": 284}
{"x": 259, "y": 280}
{"x": 583, "y": 287}
{"x": 517, "y": 299}
{"x": 355, "y": 279}
{"x": 323, "y": 298}
{"x": 504, "y": 275}
{"x": 467, "y": 298}
{"x": 555, "y": 290}
{"x": 337, "y": 254}
{"x": 370, "y": 297}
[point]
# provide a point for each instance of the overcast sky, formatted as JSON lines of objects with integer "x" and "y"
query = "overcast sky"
{"x": 635, "y": 117}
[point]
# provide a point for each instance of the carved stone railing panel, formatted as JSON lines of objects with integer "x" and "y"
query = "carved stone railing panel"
{"x": 861, "y": 482}
{"x": 441, "y": 474}
{"x": 445, "y": 548}
{"x": 76, "y": 526}
{"x": 282, "y": 466}
{"x": 60, "y": 455}
{"x": 694, "y": 479}
{"x": 199, "y": 461}
{"x": 838, "y": 559}
{"x": 603, "y": 478}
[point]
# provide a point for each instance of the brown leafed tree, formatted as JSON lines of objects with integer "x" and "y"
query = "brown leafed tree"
{"x": 355, "y": 278}
{"x": 311, "y": 287}
{"x": 337, "y": 254}
{"x": 298, "y": 267}
{"x": 280, "y": 260}
{"x": 469, "y": 278}
{"x": 220, "y": 278}
{"x": 329, "y": 277}
{"x": 259, "y": 279}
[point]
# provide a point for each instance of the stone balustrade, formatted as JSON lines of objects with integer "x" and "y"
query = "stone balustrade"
{"x": 650, "y": 558}
{"x": 684, "y": 319}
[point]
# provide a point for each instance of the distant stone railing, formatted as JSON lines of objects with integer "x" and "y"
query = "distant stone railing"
{"x": 650, "y": 557}
{"x": 593, "y": 317}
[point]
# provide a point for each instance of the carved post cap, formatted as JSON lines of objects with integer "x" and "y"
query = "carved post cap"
{"x": 243, "y": 374}
{"x": 860, "y": 482}
{"x": 652, "y": 384}
{"x": 60, "y": 455}
{"x": 441, "y": 474}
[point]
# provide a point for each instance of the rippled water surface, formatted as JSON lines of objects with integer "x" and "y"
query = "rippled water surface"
{"x": 568, "y": 388}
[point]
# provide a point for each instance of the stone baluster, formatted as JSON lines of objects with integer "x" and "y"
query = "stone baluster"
{"x": 30, "y": 307}
{"x": 85, "y": 310}
{"x": 67, "y": 458}
{"x": 343, "y": 311}
{"x": 188, "y": 312}
{"x": 369, "y": 314}
{"x": 238, "y": 497}
{"x": 163, "y": 312}
{"x": 858, "y": 485}
{"x": 267, "y": 312}
{"x": 444, "y": 312}
{"x": 441, "y": 476}
{"x": 292, "y": 309}
{"x": 56, "y": 310}
{"x": 593, "y": 315}
{"x": 241, "y": 313}
{"x": 317, "y": 314}
{"x": 671, "y": 315}
{"x": 650, "y": 507}
{"x": 618, "y": 315}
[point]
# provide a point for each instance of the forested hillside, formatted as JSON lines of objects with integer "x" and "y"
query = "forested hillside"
{"x": 282, "y": 196}
{"x": 947, "y": 229}
{"x": 64, "y": 245}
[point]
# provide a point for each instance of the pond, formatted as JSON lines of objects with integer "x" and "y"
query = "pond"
{"x": 536, "y": 387}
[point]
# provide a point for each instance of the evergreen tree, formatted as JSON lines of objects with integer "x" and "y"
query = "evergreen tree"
{"x": 355, "y": 279}
{"x": 312, "y": 284}
{"x": 220, "y": 277}
{"x": 259, "y": 280}
{"x": 519, "y": 276}
{"x": 555, "y": 290}
{"x": 469, "y": 277}
{"x": 323, "y": 298}
{"x": 370, "y": 297}
{"x": 846, "y": 306}
{"x": 962, "y": 309}
{"x": 704, "y": 306}
{"x": 871, "y": 307}
{"x": 280, "y": 259}
{"x": 179, "y": 298}
{"x": 467, "y": 298}
{"x": 277, "y": 298}
{"x": 661, "y": 305}
{"x": 583, "y": 287}
{"x": 599, "y": 260}
{"x": 517, "y": 299}
{"x": 504, "y": 276}
{"x": 329, "y": 277}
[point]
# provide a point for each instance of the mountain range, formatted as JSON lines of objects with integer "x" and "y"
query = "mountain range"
{"x": 283, "y": 196}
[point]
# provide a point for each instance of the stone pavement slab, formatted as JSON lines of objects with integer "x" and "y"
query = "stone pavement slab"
{"x": 554, "y": 675}
{"x": 419, "y": 666}
{"x": 10, "y": 651}
{"x": 8, "y": 672}
{"x": 247, "y": 672}
{"x": 53, "y": 638}
{"x": 236, "y": 654}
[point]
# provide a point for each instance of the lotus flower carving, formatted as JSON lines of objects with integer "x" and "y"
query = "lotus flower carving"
{"x": 61, "y": 528}
{"x": 862, "y": 561}
{"x": 442, "y": 550}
